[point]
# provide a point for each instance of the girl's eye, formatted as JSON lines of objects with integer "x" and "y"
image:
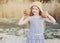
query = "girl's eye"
{"x": 36, "y": 9}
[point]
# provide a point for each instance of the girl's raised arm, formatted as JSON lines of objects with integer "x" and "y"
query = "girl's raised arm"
{"x": 26, "y": 15}
{"x": 23, "y": 21}
{"x": 50, "y": 18}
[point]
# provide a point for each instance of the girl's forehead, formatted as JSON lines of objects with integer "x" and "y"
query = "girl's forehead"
{"x": 35, "y": 6}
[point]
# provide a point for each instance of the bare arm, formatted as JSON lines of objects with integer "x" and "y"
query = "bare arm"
{"x": 50, "y": 18}
{"x": 23, "y": 21}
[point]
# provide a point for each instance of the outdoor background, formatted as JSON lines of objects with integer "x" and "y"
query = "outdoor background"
{"x": 12, "y": 10}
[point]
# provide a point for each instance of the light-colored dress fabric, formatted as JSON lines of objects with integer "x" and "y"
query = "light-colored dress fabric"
{"x": 36, "y": 32}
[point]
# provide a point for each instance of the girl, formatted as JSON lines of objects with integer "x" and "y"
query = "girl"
{"x": 36, "y": 18}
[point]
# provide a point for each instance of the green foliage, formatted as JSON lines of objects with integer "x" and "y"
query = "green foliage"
{"x": 11, "y": 27}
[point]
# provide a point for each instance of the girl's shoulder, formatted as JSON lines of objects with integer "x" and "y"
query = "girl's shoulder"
{"x": 30, "y": 17}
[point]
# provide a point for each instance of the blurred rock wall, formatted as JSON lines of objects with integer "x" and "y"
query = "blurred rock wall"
{"x": 15, "y": 8}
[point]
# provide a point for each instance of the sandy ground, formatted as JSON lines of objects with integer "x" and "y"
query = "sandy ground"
{"x": 21, "y": 39}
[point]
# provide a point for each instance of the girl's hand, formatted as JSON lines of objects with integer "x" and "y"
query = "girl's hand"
{"x": 24, "y": 16}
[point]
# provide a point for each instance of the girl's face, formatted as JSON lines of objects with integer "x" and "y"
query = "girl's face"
{"x": 35, "y": 10}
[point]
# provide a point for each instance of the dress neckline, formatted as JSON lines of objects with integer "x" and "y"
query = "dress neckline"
{"x": 37, "y": 17}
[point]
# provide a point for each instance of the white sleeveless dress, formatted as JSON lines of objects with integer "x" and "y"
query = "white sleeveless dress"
{"x": 36, "y": 32}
